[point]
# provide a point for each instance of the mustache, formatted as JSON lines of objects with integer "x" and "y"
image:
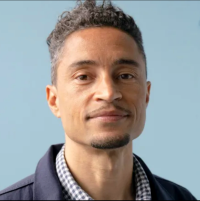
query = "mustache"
{"x": 104, "y": 108}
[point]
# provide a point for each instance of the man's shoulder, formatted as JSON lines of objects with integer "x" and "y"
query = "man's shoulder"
{"x": 175, "y": 189}
{"x": 22, "y": 190}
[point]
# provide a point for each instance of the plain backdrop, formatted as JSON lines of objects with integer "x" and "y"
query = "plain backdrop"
{"x": 170, "y": 142}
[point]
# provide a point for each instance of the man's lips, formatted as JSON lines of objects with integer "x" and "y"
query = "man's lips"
{"x": 109, "y": 114}
{"x": 109, "y": 118}
{"x": 114, "y": 118}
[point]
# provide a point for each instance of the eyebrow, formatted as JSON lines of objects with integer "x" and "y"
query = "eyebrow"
{"x": 126, "y": 62}
{"x": 115, "y": 63}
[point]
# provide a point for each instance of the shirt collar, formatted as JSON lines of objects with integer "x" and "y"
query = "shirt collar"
{"x": 72, "y": 191}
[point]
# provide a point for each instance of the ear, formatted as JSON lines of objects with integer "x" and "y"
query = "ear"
{"x": 148, "y": 93}
{"x": 52, "y": 99}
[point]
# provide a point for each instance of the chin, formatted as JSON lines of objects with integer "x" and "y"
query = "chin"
{"x": 111, "y": 141}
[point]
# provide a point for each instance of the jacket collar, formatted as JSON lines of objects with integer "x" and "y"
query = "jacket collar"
{"x": 158, "y": 192}
{"x": 48, "y": 187}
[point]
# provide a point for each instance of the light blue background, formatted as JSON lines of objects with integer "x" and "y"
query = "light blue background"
{"x": 170, "y": 142}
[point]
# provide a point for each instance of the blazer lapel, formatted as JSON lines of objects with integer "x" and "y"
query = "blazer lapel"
{"x": 158, "y": 192}
{"x": 47, "y": 185}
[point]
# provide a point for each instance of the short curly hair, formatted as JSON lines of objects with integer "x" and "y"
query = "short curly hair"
{"x": 88, "y": 14}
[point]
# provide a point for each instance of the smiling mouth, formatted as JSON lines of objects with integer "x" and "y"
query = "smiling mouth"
{"x": 110, "y": 118}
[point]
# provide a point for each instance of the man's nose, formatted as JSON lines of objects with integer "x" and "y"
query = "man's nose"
{"x": 107, "y": 90}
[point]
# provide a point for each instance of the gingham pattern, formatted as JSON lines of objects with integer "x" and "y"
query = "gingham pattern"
{"x": 143, "y": 189}
{"x": 72, "y": 191}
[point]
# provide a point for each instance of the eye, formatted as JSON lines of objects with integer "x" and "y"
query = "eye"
{"x": 126, "y": 76}
{"x": 82, "y": 77}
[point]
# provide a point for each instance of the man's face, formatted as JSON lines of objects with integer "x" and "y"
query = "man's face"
{"x": 112, "y": 79}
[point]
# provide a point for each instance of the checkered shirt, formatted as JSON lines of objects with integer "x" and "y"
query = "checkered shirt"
{"x": 72, "y": 191}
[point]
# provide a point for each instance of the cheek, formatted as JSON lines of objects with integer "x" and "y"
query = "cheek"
{"x": 72, "y": 105}
{"x": 136, "y": 95}
{"x": 141, "y": 110}
{"x": 71, "y": 116}
{"x": 137, "y": 101}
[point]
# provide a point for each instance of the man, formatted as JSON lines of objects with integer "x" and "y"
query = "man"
{"x": 100, "y": 91}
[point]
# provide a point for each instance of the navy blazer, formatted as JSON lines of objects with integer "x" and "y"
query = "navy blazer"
{"x": 45, "y": 184}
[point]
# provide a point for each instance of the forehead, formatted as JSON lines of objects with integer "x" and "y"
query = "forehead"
{"x": 104, "y": 44}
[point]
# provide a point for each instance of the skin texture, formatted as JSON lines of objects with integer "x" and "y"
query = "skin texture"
{"x": 102, "y": 173}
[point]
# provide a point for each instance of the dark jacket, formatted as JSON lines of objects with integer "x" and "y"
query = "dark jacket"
{"x": 45, "y": 185}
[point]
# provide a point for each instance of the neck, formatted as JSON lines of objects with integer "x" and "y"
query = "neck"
{"x": 102, "y": 174}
